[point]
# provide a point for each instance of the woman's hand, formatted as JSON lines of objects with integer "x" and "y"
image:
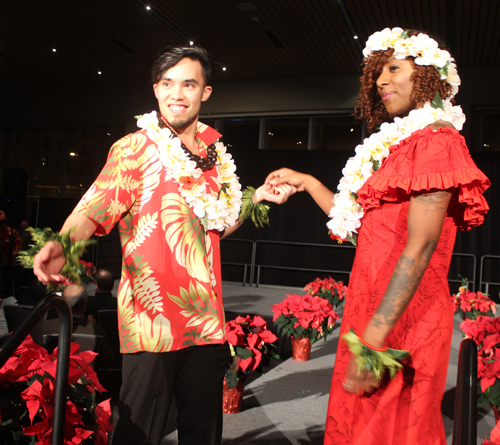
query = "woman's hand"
{"x": 357, "y": 382}
{"x": 277, "y": 194}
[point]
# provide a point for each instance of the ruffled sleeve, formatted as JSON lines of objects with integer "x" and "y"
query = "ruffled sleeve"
{"x": 430, "y": 160}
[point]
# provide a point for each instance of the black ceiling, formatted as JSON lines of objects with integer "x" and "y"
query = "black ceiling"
{"x": 253, "y": 39}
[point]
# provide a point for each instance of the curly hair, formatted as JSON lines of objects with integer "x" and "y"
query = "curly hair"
{"x": 426, "y": 84}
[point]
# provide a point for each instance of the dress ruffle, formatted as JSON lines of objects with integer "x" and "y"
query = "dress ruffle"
{"x": 430, "y": 160}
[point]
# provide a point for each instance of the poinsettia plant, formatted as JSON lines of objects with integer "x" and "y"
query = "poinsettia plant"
{"x": 304, "y": 317}
{"x": 248, "y": 340}
{"x": 485, "y": 331}
{"x": 27, "y": 398}
{"x": 329, "y": 289}
{"x": 470, "y": 305}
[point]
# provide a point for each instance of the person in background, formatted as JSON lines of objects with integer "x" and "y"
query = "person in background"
{"x": 10, "y": 241}
{"x": 25, "y": 234}
{"x": 411, "y": 185}
{"x": 103, "y": 298}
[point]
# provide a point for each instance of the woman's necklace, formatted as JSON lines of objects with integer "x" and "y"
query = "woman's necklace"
{"x": 216, "y": 210}
{"x": 346, "y": 213}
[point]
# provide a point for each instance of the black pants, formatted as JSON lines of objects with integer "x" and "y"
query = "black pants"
{"x": 193, "y": 374}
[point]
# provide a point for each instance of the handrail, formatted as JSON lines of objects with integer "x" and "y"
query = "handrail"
{"x": 481, "y": 282}
{"x": 474, "y": 269}
{"x": 465, "y": 419}
{"x": 64, "y": 346}
{"x": 289, "y": 243}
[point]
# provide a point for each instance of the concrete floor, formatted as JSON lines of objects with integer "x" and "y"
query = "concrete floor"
{"x": 287, "y": 405}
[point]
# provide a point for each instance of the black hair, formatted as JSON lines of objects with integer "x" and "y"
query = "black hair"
{"x": 172, "y": 55}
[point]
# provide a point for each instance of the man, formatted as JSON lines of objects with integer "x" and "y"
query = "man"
{"x": 174, "y": 194}
{"x": 76, "y": 298}
{"x": 103, "y": 298}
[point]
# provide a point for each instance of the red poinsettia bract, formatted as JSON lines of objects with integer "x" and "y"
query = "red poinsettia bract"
{"x": 32, "y": 369}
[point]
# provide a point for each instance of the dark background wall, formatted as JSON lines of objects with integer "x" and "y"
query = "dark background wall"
{"x": 300, "y": 220}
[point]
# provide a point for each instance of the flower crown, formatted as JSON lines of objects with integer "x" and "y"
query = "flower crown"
{"x": 422, "y": 47}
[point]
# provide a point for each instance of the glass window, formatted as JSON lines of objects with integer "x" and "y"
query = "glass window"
{"x": 287, "y": 133}
{"x": 491, "y": 132}
{"x": 241, "y": 133}
{"x": 336, "y": 133}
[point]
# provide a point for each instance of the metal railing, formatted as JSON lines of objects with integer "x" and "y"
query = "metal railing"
{"x": 471, "y": 281}
{"x": 481, "y": 274}
{"x": 256, "y": 245}
{"x": 245, "y": 265}
{"x": 465, "y": 419}
{"x": 64, "y": 346}
{"x": 301, "y": 269}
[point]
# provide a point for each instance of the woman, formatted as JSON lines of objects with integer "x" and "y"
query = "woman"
{"x": 402, "y": 199}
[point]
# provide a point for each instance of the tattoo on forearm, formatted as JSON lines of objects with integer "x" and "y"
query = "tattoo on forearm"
{"x": 404, "y": 282}
{"x": 433, "y": 201}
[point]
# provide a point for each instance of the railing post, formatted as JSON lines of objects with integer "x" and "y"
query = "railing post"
{"x": 465, "y": 419}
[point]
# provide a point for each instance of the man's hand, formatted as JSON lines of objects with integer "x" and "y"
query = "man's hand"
{"x": 277, "y": 194}
{"x": 299, "y": 180}
{"x": 48, "y": 263}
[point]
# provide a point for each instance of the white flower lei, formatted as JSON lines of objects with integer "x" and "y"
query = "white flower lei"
{"x": 346, "y": 213}
{"x": 215, "y": 210}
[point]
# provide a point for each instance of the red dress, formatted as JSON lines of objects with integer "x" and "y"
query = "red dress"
{"x": 407, "y": 409}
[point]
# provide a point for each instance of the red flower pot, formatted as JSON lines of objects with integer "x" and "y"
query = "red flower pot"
{"x": 301, "y": 349}
{"x": 232, "y": 398}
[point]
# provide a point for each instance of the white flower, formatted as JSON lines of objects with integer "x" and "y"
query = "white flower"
{"x": 148, "y": 120}
{"x": 424, "y": 49}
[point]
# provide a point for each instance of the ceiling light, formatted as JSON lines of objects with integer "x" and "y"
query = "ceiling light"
{"x": 355, "y": 37}
{"x": 73, "y": 154}
{"x": 54, "y": 50}
{"x": 148, "y": 7}
{"x": 223, "y": 68}
{"x": 191, "y": 43}
{"x": 99, "y": 72}
{"x": 244, "y": 6}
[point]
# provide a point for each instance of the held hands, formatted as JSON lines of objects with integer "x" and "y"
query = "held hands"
{"x": 48, "y": 263}
{"x": 300, "y": 181}
{"x": 277, "y": 194}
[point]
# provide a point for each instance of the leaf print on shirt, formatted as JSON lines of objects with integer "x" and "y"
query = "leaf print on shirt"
{"x": 146, "y": 287}
{"x": 126, "y": 319}
{"x": 155, "y": 334}
{"x": 150, "y": 176}
{"x": 184, "y": 235}
{"x": 144, "y": 228}
{"x": 197, "y": 305}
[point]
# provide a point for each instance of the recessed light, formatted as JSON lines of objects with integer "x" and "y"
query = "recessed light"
{"x": 54, "y": 50}
{"x": 243, "y": 6}
{"x": 355, "y": 37}
{"x": 148, "y": 7}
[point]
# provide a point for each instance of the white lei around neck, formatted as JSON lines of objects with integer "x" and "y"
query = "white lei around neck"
{"x": 216, "y": 210}
{"x": 346, "y": 213}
